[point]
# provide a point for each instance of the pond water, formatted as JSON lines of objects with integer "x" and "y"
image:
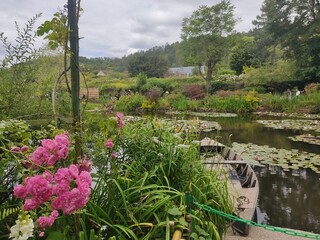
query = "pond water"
{"x": 287, "y": 199}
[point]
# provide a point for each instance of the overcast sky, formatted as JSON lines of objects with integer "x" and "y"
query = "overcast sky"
{"x": 114, "y": 28}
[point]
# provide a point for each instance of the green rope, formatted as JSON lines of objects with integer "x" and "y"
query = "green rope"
{"x": 251, "y": 223}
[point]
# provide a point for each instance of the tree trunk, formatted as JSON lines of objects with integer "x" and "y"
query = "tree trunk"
{"x": 75, "y": 76}
{"x": 210, "y": 69}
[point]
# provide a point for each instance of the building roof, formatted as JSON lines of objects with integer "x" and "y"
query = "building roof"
{"x": 184, "y": 70}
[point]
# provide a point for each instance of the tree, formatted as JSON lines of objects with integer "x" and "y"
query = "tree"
{"x": 272, "y": 24}
{"x": 206, "y": 36}
{"x": 303, "y": 42}
{"x": 242, "y": 54}
{"x": 295, "y": 26}
{"x": 152, "y": 62}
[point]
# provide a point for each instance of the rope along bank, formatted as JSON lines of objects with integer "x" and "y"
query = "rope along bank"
{"x": 190, "y": 201}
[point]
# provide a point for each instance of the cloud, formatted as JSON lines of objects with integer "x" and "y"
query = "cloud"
{"x": 115, "y": 28}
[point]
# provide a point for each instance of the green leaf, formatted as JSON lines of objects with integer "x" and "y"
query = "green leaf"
{"x": 175, "y": 211}
{"x": 55, "y": 235}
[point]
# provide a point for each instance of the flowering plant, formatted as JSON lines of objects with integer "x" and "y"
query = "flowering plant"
{"x": 52, "y": 186}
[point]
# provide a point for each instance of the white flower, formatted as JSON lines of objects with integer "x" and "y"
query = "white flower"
{"x": 23, "y": 229}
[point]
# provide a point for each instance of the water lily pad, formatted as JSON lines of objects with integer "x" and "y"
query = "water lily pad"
{"x": 286, "y": 159}
{"x": 202, "y": 114}
{"x": 289, "y": 115}
{"x": 308, "y": 138}
{"x": 296, "y": 124}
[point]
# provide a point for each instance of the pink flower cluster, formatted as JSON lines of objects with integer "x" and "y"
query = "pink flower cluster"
{"x": 44, "y": 222}
{"x": 39, "y": 189}
{"x": 120, "y": 119}
{"x": 69, "y": 200}
{"x": 66, "y": 189}
{"x": 36, "y": 191}
{"x": 51, "y": 151}
{"x": 109, "y": 144}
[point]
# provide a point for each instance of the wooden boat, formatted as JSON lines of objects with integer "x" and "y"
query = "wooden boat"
{"x": 242, "y": 180}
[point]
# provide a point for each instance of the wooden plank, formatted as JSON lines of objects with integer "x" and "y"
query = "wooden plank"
{"x": 207, "y": 161}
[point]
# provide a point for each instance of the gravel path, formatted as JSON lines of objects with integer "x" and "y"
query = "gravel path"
{"x": 258, "y": 233}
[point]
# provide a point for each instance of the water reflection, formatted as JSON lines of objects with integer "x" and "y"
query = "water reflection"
{"x": 289, "y": 199}
{"x": 245, "y": 129}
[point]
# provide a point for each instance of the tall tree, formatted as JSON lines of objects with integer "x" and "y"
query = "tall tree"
{"x": 206, "y": 36}
{"x": 295, "y": 26}
{"x": 273, "y": 24}
{"x": 303, "y": 40}
{"x": 154, "y": 63}
{"x": 243, "y": 54}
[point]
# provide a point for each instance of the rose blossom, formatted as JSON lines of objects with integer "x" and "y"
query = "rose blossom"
{"x": 44, "y": 221}
{"x": 109, "y": 144}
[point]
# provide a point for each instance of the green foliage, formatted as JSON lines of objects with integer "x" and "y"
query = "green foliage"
{"x": 242, "y": 55}
{"x": 305, "y": 103}
{"x": 20, "y": 92}
{"x": 205, "y": 36}
{"x": 297, "y": 36}
{"x": 177, "y": 101}
{"x": 149, "y": 62}
{"x": 281, "y": 72}
{"x": 144, "y": 187}
{"x": 56, "y": 30}
{"x": 232, "y": 103}
{"x": 141, "y": 80}
{"x": 130, "y": 103}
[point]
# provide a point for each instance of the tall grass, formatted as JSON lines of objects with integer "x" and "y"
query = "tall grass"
{"x": 137, "y": 194}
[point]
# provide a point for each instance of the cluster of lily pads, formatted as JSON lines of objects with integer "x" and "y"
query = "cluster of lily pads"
{"x": 287, "y": 159}
{"x": 310, "y": 125}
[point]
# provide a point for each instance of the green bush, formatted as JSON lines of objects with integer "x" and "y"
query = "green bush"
{"x": 130, "y": 103}
{"x": 232, "y": 103}
{"x": 283, "y": 71}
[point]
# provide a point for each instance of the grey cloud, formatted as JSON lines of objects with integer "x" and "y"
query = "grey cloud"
{"x": 115, "y": 27}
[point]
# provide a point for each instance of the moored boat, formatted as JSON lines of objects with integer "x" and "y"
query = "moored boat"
{"x": 242, "y": 180}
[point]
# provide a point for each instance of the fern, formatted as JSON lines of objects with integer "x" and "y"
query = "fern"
{"x": 7, "y": 212}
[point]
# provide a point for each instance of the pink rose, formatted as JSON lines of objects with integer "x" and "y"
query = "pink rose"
{"x": 40, "y": 155}
{"x": 49, "y": 144}
{"x": 61, "y": 188}
{"x": 73, "y": 170}
{"x": 20, "y": 191}
{"x": 84, "y": 179}
{"x": 109, "y": 144}
{"x": 62, "y": 176}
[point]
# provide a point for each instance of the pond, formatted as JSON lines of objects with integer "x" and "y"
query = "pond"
{"x": 288, "y": 197}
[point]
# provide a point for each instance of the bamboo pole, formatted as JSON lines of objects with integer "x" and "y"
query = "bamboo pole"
{"x": 75, "y": 76}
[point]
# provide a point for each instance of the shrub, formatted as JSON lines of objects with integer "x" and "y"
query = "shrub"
{"x": 129, "y": 103}
{"x": 154, "y": 94}
{"x": 194, "y": 91}
{"x": 282, "y": 71}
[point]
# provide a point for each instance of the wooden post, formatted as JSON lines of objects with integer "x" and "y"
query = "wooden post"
{"x": 75, "y": 76}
